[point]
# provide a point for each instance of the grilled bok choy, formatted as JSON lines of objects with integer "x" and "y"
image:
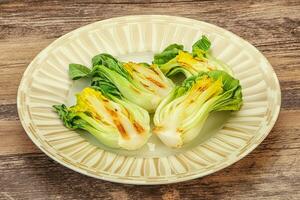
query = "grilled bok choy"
{"x": 174, "y": 59}
{"x": 142, "y": 84}
{"x": 181, "y": 115}
{"x": 113, "y": 121}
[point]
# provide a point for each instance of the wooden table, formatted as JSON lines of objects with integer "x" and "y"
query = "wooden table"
{"x": 272, "y": 171}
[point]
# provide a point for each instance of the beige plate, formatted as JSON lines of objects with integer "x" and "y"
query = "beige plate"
{"x": 231, "y": 136}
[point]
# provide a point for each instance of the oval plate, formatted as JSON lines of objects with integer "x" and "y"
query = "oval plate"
{"x": 46, "y": 82}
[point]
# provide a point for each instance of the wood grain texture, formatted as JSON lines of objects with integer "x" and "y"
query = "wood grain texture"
{"x": 270, "y": 172}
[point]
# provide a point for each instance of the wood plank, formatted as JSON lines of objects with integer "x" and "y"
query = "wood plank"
{"x": 14, "y": 140}
{"x": 15, "y": 56}
{"x": 53, "y": 19}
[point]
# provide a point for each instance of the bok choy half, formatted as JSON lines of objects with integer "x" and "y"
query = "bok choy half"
{"x": 174, "y": 59}
{"x": 113, "y": 121}
{"x": 181, "y": 115}
{"x": 142, "y": 84}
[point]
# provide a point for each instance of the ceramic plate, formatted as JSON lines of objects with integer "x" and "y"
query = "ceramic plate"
{"x": 229, "y": 136}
